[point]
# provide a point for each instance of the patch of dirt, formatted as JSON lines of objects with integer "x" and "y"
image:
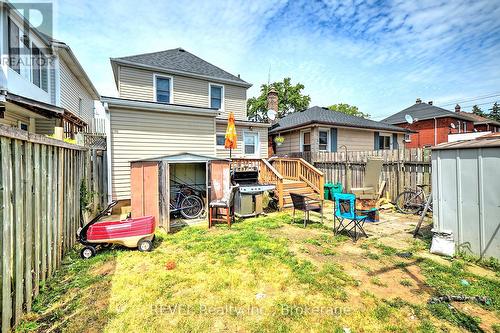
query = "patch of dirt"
{"x": 488, "y": 318}
{"x": 105, "y": 269}
{"x": 296, "y": 234}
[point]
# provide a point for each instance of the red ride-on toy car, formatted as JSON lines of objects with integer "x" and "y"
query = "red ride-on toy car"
{"x": 133, "y": 233}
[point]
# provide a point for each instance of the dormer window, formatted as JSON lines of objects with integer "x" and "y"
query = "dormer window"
{"x": 163, "y": 89}
{"x": 216, "y": 95}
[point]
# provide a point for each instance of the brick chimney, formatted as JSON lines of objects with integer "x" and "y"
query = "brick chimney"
{"x": 457, "y": 108}
{"x": 418, "y": 101}
{"x": 272, "y": 100}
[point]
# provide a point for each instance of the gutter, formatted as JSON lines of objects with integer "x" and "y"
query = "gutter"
{"x": 158, "y": 107}
{"x": 300, "y": 126}
{"x": 243, "y": 123}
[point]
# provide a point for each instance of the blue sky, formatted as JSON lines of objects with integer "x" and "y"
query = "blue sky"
{"x": 377, "y": 55}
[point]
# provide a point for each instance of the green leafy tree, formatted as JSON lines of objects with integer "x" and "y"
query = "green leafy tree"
{"x": 477, "y": 110}
{"x": 495, "y": 112}
{"x": 348, "y": 109}
{"x": 290, "y": 99}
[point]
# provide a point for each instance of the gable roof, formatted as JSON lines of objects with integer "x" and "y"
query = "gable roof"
{"x": 422, "y": 111}
{"x": 477, "y": 119}
{"x": 319, "y": 115}
{"x": 183, "y": 62}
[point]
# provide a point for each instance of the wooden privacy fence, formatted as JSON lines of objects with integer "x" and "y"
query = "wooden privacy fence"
{"x": 403, "y": 168}
{"x": 40, "y": 182}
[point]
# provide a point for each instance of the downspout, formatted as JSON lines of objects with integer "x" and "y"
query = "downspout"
{"x": 108, "y": 150}
{"x": 435, "y": 131}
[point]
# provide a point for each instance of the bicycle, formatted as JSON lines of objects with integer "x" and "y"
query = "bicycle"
{"x": 189, "y": 205}
{"x": 412, "y": 201}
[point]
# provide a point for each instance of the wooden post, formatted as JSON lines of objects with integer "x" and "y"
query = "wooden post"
{"x": 18, "y": 231}
{"x": 28, "y": 172}
{"x": 6, "y": 217}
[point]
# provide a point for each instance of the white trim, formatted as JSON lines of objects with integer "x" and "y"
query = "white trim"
{"x": 301, "y": 139}
{"x": 162, "y": 76}
{"x": 160, "y": 107}
{"x": 257, "y": 144}
{"x": 391, "y": 143}
{"x": 328, "y": 139}
{"x": 222, "y": 95}
{"x": 219, "y": 133}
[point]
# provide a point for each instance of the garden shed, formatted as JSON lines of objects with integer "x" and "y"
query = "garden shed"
{"x": 466, "y": 194}
{"x": 156, "y": 184}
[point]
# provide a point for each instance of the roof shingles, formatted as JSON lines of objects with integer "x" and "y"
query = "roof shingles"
{"x": 181, "y": 60}
{"x": 422, "y": 111}
{"x": 321, "y": 115}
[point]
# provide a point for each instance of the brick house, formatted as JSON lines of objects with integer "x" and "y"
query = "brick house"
{"x": 432, "y": 124}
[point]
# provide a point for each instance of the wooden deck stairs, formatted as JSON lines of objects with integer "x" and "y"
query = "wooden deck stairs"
{"x": 290, "y": 175}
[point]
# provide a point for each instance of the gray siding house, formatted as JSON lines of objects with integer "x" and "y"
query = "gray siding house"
{"x": 172, "y": 102}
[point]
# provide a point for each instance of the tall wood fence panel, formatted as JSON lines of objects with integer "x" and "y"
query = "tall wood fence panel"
{"x": 403, "y": 168}
{"x": 40, "y": 182}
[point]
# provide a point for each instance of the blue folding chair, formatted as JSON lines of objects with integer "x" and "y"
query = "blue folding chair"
{"x": 345, "y": 215}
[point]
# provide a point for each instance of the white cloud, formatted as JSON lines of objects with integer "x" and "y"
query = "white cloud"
{"x": 379, "y": 57}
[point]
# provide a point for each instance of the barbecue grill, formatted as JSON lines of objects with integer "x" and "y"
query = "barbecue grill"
{"x": 248, "y": 199}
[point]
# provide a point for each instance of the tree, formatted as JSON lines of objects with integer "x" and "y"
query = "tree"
{"x": 495, "y": 112}
{"x": 477, "y": 111}
{"x": 290, "y": 99}
{"x": 348, "y": 109}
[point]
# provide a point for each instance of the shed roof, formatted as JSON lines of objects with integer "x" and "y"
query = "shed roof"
{"x": 481, "y": 142}
{"x": 325, "y": 116}
{"x": 182, "y": 158}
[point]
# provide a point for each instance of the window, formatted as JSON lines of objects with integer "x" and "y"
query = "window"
{"x": 306, "y": 141}
{"x": 36, "y": 61}
{"x": 22, "y": 126}
{"x": 251, "y": 143}
{"x": 14, "y": 56}
{"x": 163, "y": 89}
{"x": 216, "y": 96}
{"x": 39, "y": 68}
{"x": 220, "y": 139}
{"x": 384, "y": 142}
{"x": 407, "y": 137}
{"x": 323, "y": 140}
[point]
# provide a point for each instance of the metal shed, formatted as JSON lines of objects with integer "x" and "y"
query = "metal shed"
{"x": 466, "y": 192}
{"x": 151, "y": 181}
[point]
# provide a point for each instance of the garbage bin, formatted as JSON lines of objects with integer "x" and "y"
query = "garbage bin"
{"x": 330, "y": 189}
{"x": 336, "y": 188}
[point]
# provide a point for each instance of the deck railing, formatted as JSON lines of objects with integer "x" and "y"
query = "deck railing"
{"x": 267, "y": 173}
{"x": 299, "y": 169}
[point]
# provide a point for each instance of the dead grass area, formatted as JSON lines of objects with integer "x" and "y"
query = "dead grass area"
{"x": 268, "y": 274}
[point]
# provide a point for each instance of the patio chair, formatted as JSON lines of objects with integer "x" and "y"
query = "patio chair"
{"x": 307, "y": 205}
{"x": 226, "y": 204}
{"x": 346, "y": 216}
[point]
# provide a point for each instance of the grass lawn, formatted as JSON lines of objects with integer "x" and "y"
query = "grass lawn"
{"x": 264, "y": 275}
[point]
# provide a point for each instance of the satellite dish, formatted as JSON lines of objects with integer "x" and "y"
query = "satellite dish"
{"x": 271, "y": 114}
{"x": 452, "y": 125}
{"x": 409, "y": 119}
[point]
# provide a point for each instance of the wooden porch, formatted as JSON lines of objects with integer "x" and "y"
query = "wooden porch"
{"x": 290, "y": 175}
